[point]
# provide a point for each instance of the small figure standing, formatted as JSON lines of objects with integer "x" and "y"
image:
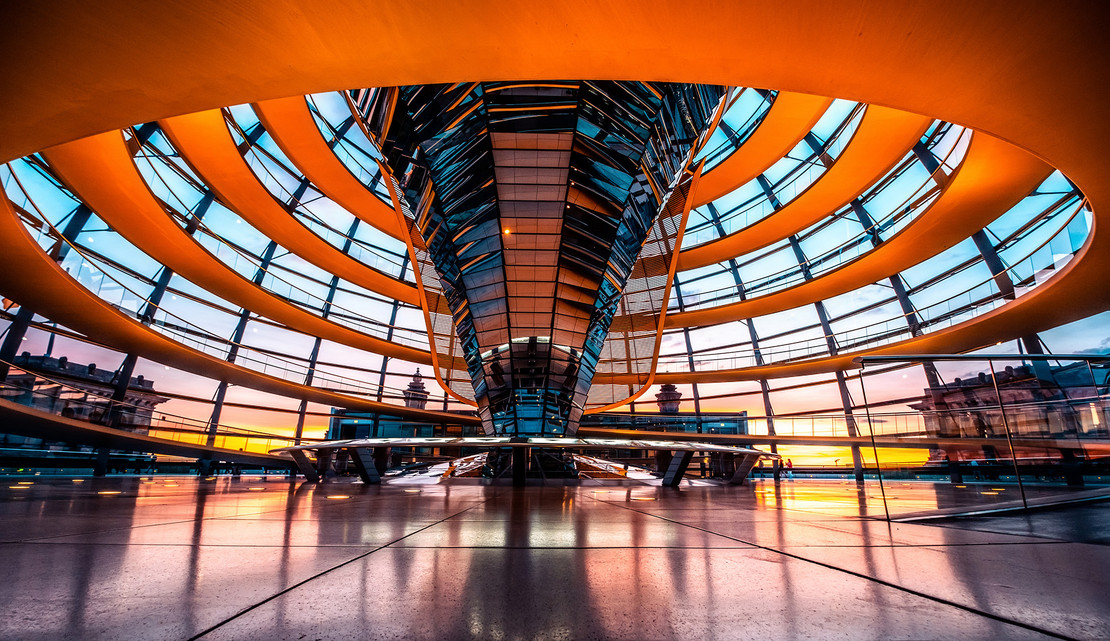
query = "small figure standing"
{"x": 789, "y": 470}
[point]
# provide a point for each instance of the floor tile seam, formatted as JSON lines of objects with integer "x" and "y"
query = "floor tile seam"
{"x": 45, "y": 539}
{"x": 324, "y": 572}
{"x": 532, "y": 547}
{"x": 146, "y": 525}
{"x": 818, "y": 514}
{"x": 896, "y": 546}
{"x": 235, "y": 517}
{"x": 335, "y": 506}
{"x": 162, "y": 523}
{"x": 277, "y": 510}
{"x": 891, "y": 530}
{"x": 1029, "y": 535}
{"x": 823, "y": 527}
{"x": 200, "y": 545}
{"x": 826, "y": 518}
{"x": 303, "y": 521}
{"x": 883, "y": 582}
{"x": 1032, "y": 535}
{"x": 573, "y": 547}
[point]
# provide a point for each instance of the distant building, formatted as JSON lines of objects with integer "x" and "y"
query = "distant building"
{"x": 1036, "y": 402}
{"x": 77, "y": 391}
{"x": 668, "y": 399}
{"x": 416, "y": 395}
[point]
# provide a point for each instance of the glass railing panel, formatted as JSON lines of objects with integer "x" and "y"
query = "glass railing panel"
{"x": 45, "y": 393}
{"x": 998, "y": 432}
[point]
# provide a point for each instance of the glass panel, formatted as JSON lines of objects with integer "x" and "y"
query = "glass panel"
{"x": 1004, "y": 432}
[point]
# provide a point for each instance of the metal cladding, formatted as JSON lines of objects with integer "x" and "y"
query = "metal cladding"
{"x": 533, "y": 201}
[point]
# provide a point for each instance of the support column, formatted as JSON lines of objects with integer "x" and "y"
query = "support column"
{"x": 914, "y": 323}
{"x": 364, "y": 465}
{"x": 305, "y": 465}
{"x": 382, "y": 455}
{"x": 662, "y": 461}
{"x": 16, "y": 331}
{"x": 689, "y": 349}
{"x": 100, "y": 466}
{"x": 521, "y": 455}
{"x": 830, "y": 342}
{"x": 743, "y": 467}
{"x": 764, "y": 388}
{"x": 22, "y": 321}
{"x": 385, "y": 359}
{"x": 233, "y": 351}
{"x": 955, "y": 475}
{"x": 1073, "y": 471}
{"x": 323, "y": 463}
{"x": 677, "y": 468}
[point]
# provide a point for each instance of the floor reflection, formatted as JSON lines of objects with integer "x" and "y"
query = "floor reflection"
{"x": 171, "y": 558}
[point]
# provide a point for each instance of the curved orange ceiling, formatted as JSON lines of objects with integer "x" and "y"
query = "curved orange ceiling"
{"x": 790, "y": 118}
{"x": 884, "y": 137}
{"x": 1029, "y": 73}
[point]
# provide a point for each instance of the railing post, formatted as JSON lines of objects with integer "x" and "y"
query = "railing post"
{"x": 871, "y": 431}
{"x": 1009, "y": 436}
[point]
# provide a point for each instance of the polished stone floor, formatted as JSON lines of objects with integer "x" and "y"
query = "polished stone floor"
{"x": 253, "y": 558}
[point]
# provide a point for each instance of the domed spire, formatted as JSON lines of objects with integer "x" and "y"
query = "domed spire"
{"x": 416, "y": 395}
{"x": 668, "y": 398}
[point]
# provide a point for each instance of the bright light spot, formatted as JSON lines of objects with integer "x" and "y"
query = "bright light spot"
{"x": 988, "y": 492}
{"x": 506, "y": 231}
{"x": 106, "y": 492}
{"x": 413, "y": 491}
{"x": 643, "y": 498}
{"x": 338, "y": 496}
{"x": 78, "y": 480}
{"x": 26, "y": 482}
{"x": 18, "y": 487}
{"x": 256, "y": 489}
